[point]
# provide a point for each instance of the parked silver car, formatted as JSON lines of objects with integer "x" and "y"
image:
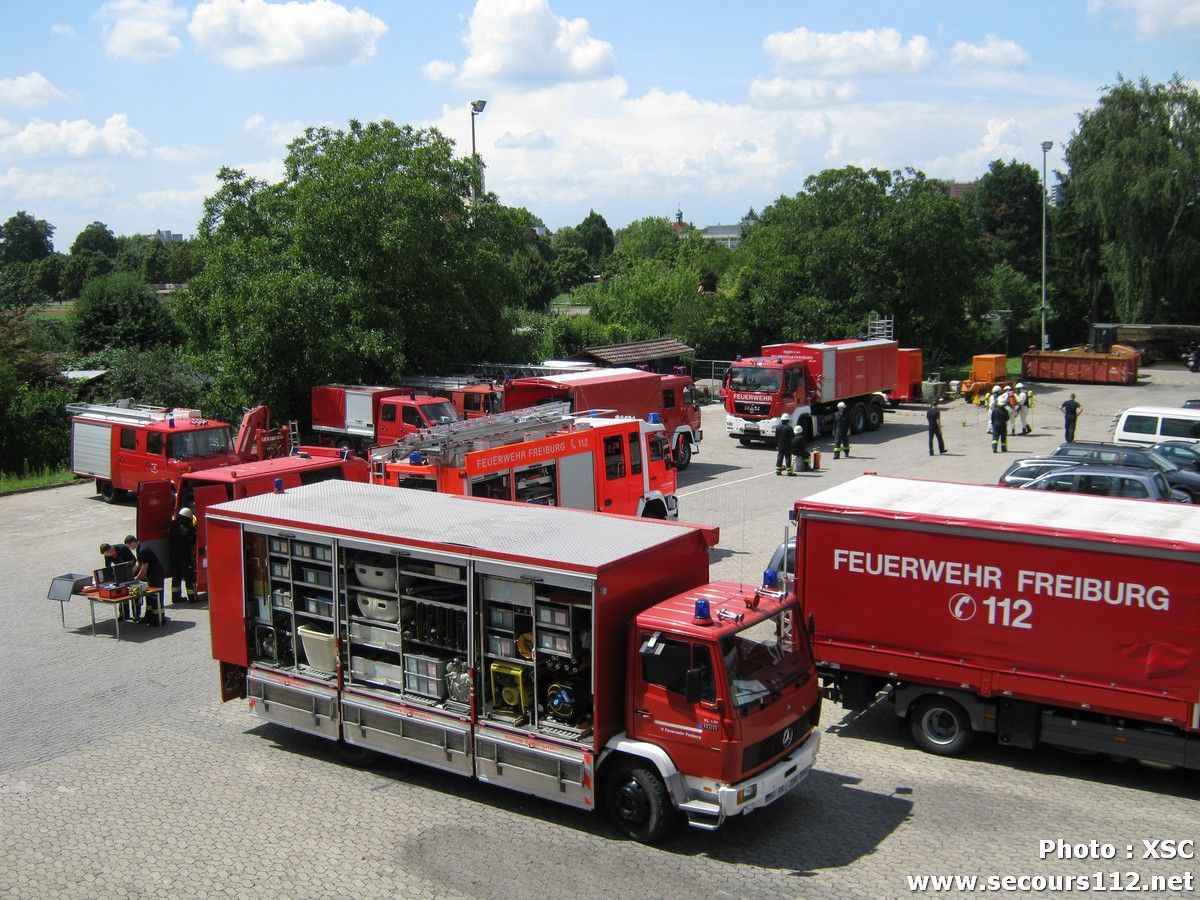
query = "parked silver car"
{"x": 1023, "y": 471}
{"x": 1104, "y": 481}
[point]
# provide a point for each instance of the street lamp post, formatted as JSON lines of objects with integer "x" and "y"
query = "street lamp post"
{"x": 1046, "y": 145}
{"x": 476, "y": 108}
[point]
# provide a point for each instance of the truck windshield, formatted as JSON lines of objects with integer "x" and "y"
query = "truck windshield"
{"x": 766, "y": 657}
{"x": 201, "y": 442}
{"x": 752, "y": 378}
{"x": 437, "y": 413}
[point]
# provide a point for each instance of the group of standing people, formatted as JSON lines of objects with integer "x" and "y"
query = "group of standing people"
{"x": 1006, "y": 406}
{"x": 181, "y": 547}
{"x": 791, "y": 442}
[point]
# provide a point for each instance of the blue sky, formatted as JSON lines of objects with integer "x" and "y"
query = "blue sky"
{"x": 123, "y": 111}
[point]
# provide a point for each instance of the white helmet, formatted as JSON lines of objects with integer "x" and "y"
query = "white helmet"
{"x": 1020, "y": 387}
{"x": 841, "y": 405}
{"x": 995, "y": 388}
{"x": 185, "y": 512}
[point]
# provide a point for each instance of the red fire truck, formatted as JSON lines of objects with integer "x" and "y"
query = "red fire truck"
{"x": 540, "y": 455}
{"x": 1041, "y": 618}
{"x": 361, "y": 416}
{"x": 125, "y": 445}
{"x": 575, "y": 656}
{"x": 158, "y": 502}
{"x": 805, "y": 382}
{"x": 472, "y": 397}
{"x": 627, "y": 392}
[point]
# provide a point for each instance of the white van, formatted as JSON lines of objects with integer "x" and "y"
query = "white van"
{"x": 1146, "y": 425}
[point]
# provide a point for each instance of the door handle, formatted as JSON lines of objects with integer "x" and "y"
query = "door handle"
{"x": 644, "y": 713}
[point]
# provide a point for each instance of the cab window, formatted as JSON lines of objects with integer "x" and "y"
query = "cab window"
{"x": 614, "y": 457}
{"x": 412, "y": 416}
{"x": 635, "y": 453}
{"x": 154, "y": 443}
{"x": 658, "y": 447}
{"x": 472, "y": 402}
{"x": 668, "y": 398}
{"x": 128, "y": 439}
{"x": 388, "y": 412}
{"x": 689, "y": 395}
{"x": 667, "y": 666}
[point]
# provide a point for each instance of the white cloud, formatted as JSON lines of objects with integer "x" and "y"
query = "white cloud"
{"x": 188, "y": 153}
{"x": 78, "y": 139}
{"x": 782, "y": 93}
{"x": 29, "y": 90}
{"x": 1153, "y": 17}
{"x": 530, "y": 140}
{"x": 993, "y": 53}
{"x": 872, "y": 52}
{"x": 278, "y": 134}
{"x": 522, "y": 42}
{"x": 1001, "y": 139}
{"x": 61, "y": 29}
{"x": 140, "y": 30}
{"x": 438, "y": 70}
{"x": 253, "y": 34}
{"x": 67, "y": 183}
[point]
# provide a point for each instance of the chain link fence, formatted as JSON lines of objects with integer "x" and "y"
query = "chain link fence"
{"x": 709, "y": 375}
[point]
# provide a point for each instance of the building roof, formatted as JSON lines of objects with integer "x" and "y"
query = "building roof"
{"x": 634, "y": 353}
{"x": 722, "y": 231}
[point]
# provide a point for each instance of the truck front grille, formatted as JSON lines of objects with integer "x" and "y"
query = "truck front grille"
{"x": 784, "y": 739}
{"x": 745, "y": 408}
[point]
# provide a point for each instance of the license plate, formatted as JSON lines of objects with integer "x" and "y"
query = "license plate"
{"x": 751, "y": 428}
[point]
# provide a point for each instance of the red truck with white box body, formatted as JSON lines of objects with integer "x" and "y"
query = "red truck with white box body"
{"x": 579, "y": 657}
{"x": 125, "y": 445}
{"x": 360, "y": 416}
{"x": 805, "y": 383}
{"x": 1041, "y": 618}
{"x": 626, "y": 392}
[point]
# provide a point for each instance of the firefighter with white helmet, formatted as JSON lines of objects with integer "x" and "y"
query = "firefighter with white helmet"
{"x": 1023, "y": 398}
{"x": 992, "y": 399}
{"x": 841, "y": 431}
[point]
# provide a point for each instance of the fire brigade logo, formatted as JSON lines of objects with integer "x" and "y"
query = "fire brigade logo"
{"x": 962, "y": 607}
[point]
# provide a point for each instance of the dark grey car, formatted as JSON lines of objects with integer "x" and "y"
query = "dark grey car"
{"x": 1024, "y": 471}
{"x": 1136, "y": 457}
{"x": 1109, "y": 481}
{"x": 1184, "y": 454}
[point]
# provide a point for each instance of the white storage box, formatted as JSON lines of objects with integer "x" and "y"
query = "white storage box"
{"x": 381, "y": 609}
{"x": 444, "y": 570}
{"x": 363, "y": 668}
{"x": 318, "y": 649}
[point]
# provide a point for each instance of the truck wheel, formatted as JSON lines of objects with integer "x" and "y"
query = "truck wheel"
{"x": 107, "y": 492}
{"x": 858, "y": 417}
{"x": 940, "y": 726}
{"x": 637, "y": 801}
{"x": 683, "y": 453}
{"x": 654, "y": 510}
{"x": 874, "y": 416}
{"x": 358, "y": 757}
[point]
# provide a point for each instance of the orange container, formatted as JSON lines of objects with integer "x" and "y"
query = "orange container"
{"x": 991, "y": 367}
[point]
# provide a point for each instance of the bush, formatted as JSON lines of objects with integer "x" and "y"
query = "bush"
{"x": 120, "y": 311}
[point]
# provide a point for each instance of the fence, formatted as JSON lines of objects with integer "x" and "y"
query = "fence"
{"x": 709, "y": 375}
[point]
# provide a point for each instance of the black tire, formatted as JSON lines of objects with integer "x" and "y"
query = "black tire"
{"x": 107, "y": 492}
{"x": 858, "y": 417}
{"x": 654, "y": 510}
{"x": 874, "y": 416}
{"x": 637, "y": 802}
{"x": 358, "y": 757}
{"x": 940, "y": 726}
{"x": 683, "y": 453}
{"x": 745, "y": 441}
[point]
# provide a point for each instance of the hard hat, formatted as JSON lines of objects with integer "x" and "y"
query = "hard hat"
{"x": 841, "y": 405}
{"x": 995, "y": 388}
{"x": 1020, "y": 387}
{"x": 186, "y": 512}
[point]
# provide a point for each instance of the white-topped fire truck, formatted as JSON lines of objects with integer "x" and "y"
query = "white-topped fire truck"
{"x": 359, "y": 416}
{"x": 578, "y": 657}
{"x": 540, "y": 455}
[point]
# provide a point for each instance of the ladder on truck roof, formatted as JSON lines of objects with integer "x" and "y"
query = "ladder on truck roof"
{"x": 125, "y": 412}
{"x": 505, "y": 371}
{"x": 450, "y": 443}
{"x": 881, "y": 328}
{"x": 444, "y": 382}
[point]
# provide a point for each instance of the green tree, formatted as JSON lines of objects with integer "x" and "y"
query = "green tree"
{"x": 651, "y": 238}
{"x": 1007, "y": 202}
{"x": 365, "y": 262}
{"x": 24, "y": 239}
{"x": 80, "y": 268}
{"x": 119, "y": 311}
{"x": 569, "y": 265}
{"x": 98, "y": 238}
{"x": 597, "y": 239}
{"x": 1133, "y": 189}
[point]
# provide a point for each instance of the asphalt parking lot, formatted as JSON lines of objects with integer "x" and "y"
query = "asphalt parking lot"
{"x": 121, "y": 773}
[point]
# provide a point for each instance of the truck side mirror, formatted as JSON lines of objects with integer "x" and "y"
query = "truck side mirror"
{"x": 691, "y": 685}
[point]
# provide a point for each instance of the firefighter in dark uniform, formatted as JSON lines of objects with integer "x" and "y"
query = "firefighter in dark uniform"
{"x": 181, "y": 547}
{"x": 999, "y": 421}
{"x": 841, "y": 431}
{"x": 784, "y": 435}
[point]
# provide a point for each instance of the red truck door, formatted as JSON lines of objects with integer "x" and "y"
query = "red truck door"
{"x": 691, "y": 732}
{"x": 615, "y": 489}
{"x": 203, "y": 497}
{"x": 155, "y": 509}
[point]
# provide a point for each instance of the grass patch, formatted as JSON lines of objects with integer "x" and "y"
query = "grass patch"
{"x": 47, "y": 476}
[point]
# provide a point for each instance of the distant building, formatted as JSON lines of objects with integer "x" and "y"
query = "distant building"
{"x": 957, "y": 188}
{"x": 167, "y": 237}
{"x": 729, "y": 235}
